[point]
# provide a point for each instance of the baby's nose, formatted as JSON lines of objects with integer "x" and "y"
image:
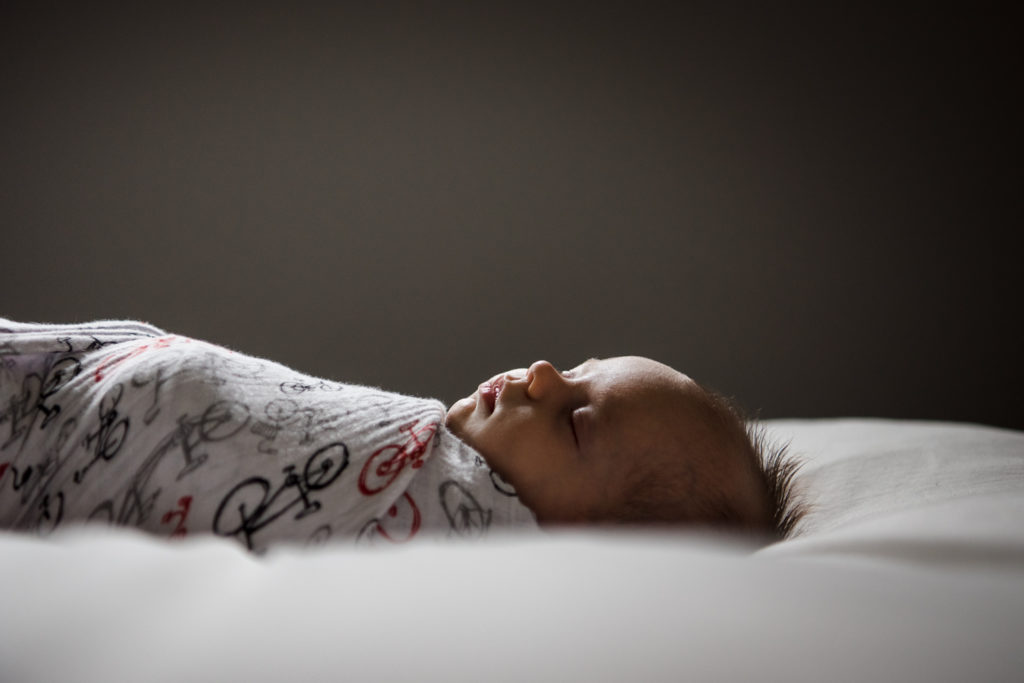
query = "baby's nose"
{"x": 542, "y": 379}
{"x": 542, "y": 366}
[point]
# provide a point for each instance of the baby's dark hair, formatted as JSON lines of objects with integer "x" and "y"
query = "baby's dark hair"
{"x": 776, "y": 467}
{"x": 689, "y": 495}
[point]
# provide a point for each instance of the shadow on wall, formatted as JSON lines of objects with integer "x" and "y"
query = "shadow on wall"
{"x": 807, "y": 212}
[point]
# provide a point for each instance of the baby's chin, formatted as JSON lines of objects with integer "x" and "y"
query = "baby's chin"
{"x": 457, "y": 421}
{"x": 458, "y": 413}
{"x": 459, "y": 407}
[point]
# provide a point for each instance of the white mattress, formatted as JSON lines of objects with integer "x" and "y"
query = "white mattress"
{"x": 910, "y": 567}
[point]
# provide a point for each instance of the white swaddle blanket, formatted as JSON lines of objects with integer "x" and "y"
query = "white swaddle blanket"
{"x": 119, "y": 422}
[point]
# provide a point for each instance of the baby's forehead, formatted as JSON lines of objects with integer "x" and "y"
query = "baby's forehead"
{"x": 672, "y": 416}
{"x": 642, "y": 403}
{"x": 653, "y": 389}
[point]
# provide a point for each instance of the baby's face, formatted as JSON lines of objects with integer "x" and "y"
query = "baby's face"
{"x": 569, "y": 441}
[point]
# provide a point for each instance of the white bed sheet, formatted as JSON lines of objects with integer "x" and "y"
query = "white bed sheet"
{"x": 915, "y": 580}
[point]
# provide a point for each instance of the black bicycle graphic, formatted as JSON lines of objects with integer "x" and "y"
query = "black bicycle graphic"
{"x": 110, "y": 434}
{"x": 252, "y": 505}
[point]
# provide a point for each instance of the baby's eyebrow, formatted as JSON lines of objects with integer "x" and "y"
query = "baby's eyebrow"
{"x": 582, "y": 366}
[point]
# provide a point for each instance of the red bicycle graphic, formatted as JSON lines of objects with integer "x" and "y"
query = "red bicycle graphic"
{"x": 387, "y": 462}
{"x": 400, "y": 524}
{"x": 178, "y": 516}
{"x": 115, "y": 358}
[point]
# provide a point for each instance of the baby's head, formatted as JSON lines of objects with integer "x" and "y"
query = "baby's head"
{"x": 624, "y": 440}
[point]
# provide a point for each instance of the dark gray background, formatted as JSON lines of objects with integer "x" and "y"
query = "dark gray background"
{"x": 811, "y": 210}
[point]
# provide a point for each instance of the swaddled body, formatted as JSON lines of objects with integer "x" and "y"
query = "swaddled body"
{"x": 121, "y": 423}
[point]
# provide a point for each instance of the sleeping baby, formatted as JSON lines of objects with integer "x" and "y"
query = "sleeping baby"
{"x": 122, "y": 423}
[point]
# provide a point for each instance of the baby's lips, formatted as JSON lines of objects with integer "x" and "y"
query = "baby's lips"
{"x": 489, "y": 395}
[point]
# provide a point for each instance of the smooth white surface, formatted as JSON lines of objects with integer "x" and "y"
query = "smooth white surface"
{"x": 930, "y": 493}
{"x": 919, "y": 581}
{"x": 119, "y": 607}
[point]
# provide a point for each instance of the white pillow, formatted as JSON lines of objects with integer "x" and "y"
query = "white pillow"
{"x": 939, "y": 493}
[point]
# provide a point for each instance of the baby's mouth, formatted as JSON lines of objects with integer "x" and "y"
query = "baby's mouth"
{"x": 490, "y": 391}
